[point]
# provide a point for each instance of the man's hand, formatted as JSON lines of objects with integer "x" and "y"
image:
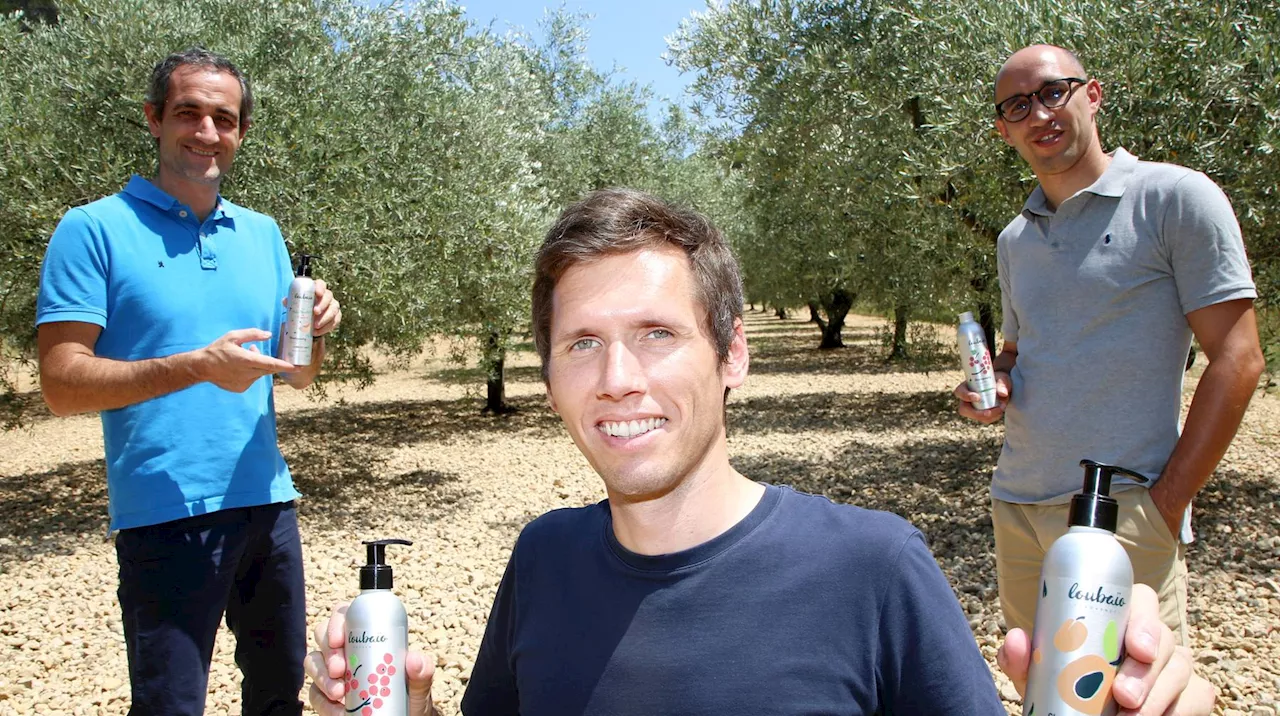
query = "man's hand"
{"x": 229, "y": 365}
{"x": 327, "y": 665}
{"x": 1004, "y": 387}
{"x": 326, "y": 314}
{"x": 1155, "y": 678}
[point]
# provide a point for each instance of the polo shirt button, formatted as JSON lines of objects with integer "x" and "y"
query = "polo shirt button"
{"x": 183, "y": 214}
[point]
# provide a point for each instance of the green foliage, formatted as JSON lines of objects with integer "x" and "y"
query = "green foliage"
{"x": 421, "y": 158}
{"x": 865, "y": 130}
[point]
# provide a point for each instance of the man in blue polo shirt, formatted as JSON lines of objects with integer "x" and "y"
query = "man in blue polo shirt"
{"x": 160, "y": 308}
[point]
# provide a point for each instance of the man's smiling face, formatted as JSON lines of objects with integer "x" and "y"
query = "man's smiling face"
{"x": 1051, "y": 140}
{"x": 199, "y": 128}
{"x": 634, "y": 373}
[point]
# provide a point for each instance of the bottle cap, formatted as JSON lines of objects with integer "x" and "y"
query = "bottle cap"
{"x": 375, "y": 574}
{"x": 304, "y": 264}
{"x": 1094, "y": 506}
{"x": 966, "y": 317}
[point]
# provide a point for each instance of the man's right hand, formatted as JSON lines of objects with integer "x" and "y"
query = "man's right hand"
{"x": 1004, "y": 388}
{"x": 229, "y": 365}
{"x": 328, "y": 664}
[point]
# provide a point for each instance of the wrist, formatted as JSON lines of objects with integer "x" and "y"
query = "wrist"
{"x": 192, "y": 365}
{"x": 1167, "y": 502}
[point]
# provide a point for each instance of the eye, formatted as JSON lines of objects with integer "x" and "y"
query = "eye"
{"x": 1015, "y": 105}
{"x": 584, "y": 344}
{"x": 225, "y": 122}
{"x": 660, "y": 334}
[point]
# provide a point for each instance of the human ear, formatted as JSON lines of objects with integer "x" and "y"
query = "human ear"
{"x": 734, "y": 370}
{"x": 153, "y": 118}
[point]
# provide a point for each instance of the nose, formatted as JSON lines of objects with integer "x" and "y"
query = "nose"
{"x": 1039, "y": 112}
{"x": 622, "y": 373}
{"x": 207, "y": 132}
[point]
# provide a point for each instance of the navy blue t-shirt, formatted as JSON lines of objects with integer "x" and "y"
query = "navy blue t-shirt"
{"x": 803, "y": 607}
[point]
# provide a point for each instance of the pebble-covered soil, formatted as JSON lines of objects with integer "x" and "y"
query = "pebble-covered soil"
{"x": 413, "y": 457}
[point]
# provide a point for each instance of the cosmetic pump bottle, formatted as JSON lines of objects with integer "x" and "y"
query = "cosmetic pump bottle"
{"x": 1082, "y": 610}
{"x": 297, "y": 327}
{"x": 377, "y": 640}
{"x": 975, "y": 360}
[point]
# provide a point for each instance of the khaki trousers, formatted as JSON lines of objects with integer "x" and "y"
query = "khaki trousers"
{"x": 1025, "y": 532}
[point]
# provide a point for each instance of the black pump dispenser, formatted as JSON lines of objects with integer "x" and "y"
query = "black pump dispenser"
{"x": 1094, "y": 506}
{"x": 375, "y": 574}
{"x": 304, "y": 268}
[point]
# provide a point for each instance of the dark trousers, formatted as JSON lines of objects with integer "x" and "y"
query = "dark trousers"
{"x": 178, "y": 578}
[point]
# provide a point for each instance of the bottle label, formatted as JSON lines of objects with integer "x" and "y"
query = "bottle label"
{"x": 297, "y": 328}
{"x": 979, "y": 373}
{"x": 375, "y": 673}
{"x": 1076, "y": 648}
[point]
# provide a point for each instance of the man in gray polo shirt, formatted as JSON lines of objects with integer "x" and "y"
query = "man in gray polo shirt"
{"x": 1110, "y": 269}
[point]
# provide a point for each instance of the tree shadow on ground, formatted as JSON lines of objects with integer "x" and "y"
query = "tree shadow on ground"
{"x": 474, "y": 375}
{"x": 795, "y": 353}
{"x": 941, "y": 487}
{"x": 838, "y": 411}
{"x": 29, "y": 405}
{"x": 337, "y": 453}
{"x": 395, "y": 423}
{"x": 769, "y": 327}
{"x": 1235, "y": 518}
{"x": 44, "y": 512}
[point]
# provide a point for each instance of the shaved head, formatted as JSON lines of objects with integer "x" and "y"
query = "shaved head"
{"x": 1037, "y": 55}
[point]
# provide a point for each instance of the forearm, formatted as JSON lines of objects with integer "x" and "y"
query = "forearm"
{"x": 82, "y": 383}
{"x": 1217, "y": 407}
{"x": 306, "y": 375}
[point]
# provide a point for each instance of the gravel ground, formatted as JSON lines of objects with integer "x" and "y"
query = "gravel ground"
{"x": 413, "y": 457}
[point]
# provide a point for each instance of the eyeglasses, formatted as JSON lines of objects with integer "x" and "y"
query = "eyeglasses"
{"x": 1052, "y": 94}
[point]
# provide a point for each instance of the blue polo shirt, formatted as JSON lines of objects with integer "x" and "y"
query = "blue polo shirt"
{"x": 159, "y": 282}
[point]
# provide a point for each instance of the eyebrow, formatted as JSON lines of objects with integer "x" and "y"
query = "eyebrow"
{"x": 648, "y": 320}
{"x": 223, "y": 111}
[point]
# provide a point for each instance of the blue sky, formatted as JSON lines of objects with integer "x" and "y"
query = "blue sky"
{"x": 627, "y": 33}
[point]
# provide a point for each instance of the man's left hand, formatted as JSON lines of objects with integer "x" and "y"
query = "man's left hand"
{"x": 1155, "y": 678}
{"x": 327, "y": 314}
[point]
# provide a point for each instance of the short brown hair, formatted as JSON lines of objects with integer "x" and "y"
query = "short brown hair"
{"x": 158, "y": 89}
{"x": 609, "y": 222}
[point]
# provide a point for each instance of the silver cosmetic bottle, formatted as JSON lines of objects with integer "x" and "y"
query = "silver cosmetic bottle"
{"x": 1083, "y": 608}
{"x": 975, "y": 360}
{"x": 377, "y": 641}
{"x": 297, "y": 327}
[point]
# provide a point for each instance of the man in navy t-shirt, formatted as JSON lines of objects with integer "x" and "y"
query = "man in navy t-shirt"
{"x": 693, "y": 589}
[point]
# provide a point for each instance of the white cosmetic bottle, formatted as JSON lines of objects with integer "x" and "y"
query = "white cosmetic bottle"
{"x": 297, "y": 327}
{"x": 975, "y": 360}
{"x": 377, "y": 641}
{"x": 1083, "y": 608}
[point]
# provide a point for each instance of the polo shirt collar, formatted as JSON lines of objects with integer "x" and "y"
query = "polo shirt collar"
{"x": 142, "y": 188}
{"x": 1111, "y": 183}
{"x": 1116, "y": 177}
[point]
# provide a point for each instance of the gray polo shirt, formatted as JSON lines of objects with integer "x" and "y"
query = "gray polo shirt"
{"x": 1095, "y": 295}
